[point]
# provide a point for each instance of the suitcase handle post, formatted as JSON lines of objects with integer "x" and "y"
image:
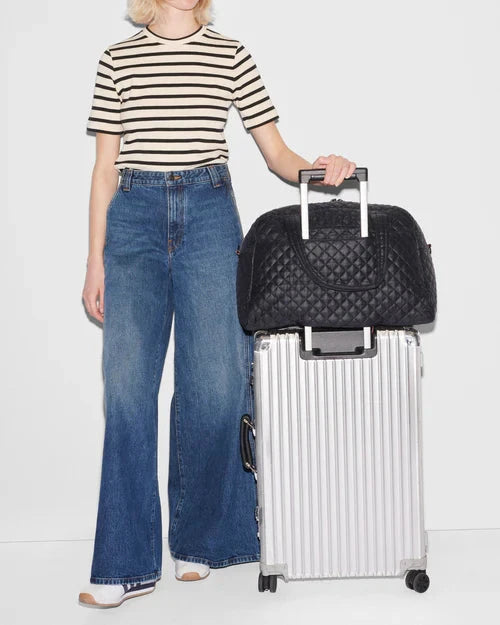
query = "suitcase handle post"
{"x": 305, "y": 175}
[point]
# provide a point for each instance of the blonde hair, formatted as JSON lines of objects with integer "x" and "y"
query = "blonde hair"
{"x": 145, "y": 11}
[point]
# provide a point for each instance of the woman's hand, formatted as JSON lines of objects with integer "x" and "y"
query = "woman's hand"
{"x": 337, "y": 168}
{"x": 93, "y": 290}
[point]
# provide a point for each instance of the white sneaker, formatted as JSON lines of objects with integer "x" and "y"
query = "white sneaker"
{"x": 113, "y": 595}
{"x": 190, "y": 571}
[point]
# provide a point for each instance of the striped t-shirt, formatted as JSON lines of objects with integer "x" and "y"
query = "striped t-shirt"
{"x": 169, "y": 98}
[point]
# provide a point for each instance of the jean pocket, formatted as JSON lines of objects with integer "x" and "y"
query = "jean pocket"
{"x": 233, "y": 205}
{"x": 230, "y": 189}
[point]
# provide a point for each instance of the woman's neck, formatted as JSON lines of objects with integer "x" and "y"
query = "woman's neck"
{"x": 173, "y": 23}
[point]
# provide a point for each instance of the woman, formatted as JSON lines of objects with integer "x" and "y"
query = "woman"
{"x": 166, "y": 240}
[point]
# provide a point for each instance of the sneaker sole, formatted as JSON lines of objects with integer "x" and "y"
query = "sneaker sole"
{"x": 87, "y": 599}
{"x": 191, "y": 577}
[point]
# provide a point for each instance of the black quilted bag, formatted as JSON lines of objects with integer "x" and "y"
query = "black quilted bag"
{"x": 335, "y": 278}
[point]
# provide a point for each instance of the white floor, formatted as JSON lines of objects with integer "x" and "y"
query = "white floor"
{"x": 40, "y": 582}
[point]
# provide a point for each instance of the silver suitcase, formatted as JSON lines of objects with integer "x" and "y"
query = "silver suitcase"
{"x": 338, "y": 448}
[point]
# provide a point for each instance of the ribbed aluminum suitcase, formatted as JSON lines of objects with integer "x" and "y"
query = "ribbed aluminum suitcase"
{"x": 338, "y": 451}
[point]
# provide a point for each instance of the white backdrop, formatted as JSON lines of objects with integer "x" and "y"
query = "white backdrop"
{"x": 409, "y": 90}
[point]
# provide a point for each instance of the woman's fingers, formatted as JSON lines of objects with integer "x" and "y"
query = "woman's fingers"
{"x": 330, "y": 169}
{"x": 97, "y": 305}
{"x": 337, "y": 168}
{"x": 319, "y": 161}
{"x": 336, "y": 177}
{"x": 93, "y": 290}
{"x": 101, "y": 300}
{"x": 91, "y": 304}
{"x": 342, "y": 175}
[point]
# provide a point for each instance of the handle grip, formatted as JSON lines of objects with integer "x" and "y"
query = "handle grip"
{"x": 305, "y": 175}
{"x": 246, "y": 426}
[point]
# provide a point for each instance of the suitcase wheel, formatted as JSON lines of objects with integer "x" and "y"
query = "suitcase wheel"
{"x": 417, "y": 580}
{"x": 268, "y": 582}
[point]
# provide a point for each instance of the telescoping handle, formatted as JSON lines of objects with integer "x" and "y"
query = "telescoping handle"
{"x": 361, "y": 175}
{"x": 305, "y": 175}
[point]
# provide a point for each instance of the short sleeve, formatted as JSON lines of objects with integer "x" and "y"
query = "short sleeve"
{"x": 250, "y": 95}
{"x": 105, "y": 111}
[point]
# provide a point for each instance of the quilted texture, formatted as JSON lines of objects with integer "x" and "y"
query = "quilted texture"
{"x": 335, "y": 278}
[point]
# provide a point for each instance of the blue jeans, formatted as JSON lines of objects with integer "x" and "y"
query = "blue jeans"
{"x": 171, "y": 246}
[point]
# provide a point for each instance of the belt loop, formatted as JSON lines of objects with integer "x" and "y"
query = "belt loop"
{"x": 126, "y": 179}
{"x": 215, "y": 176}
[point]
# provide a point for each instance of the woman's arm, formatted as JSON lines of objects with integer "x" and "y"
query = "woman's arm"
{"x": 283, "y": 161}
{"x": 103, "y": 186}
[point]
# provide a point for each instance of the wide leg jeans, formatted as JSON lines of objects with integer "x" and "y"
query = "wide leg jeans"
{"x": 170, "y": 254}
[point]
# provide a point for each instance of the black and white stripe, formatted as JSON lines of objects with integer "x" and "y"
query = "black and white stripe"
{"x": 137, "y": 586}
{"x": 169, "y": 99}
